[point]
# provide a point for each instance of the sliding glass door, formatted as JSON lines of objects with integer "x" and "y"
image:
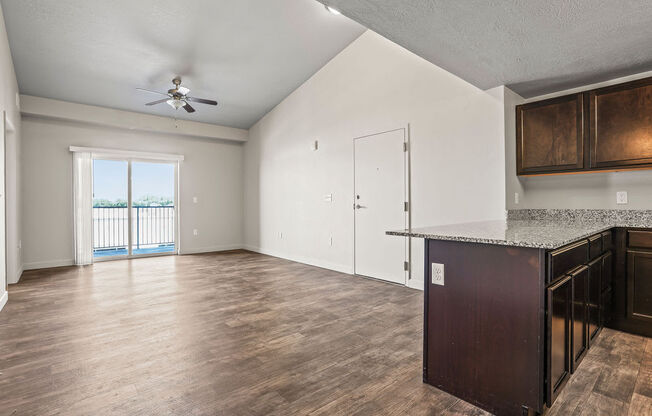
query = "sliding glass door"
{"x": 134, "y": 210}
{"x": 110, "y": 208}
{"x": 153, "y": 212}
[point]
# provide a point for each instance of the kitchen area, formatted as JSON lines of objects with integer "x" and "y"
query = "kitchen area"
{"x": 513, "y": 306}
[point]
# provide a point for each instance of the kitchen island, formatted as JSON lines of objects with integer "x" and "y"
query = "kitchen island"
{"x": 512, "y": 306}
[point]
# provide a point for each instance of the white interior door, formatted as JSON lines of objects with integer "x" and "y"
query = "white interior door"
{"x": 380, "y": 196}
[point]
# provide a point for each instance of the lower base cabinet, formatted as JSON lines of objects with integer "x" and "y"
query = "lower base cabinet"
{"x": 639, "y": 285}
{"x": 594, "y": 297}
{"x": 559, "y": 297}
{"x": 578, "y": 302}
{"x": 579, "y": 320}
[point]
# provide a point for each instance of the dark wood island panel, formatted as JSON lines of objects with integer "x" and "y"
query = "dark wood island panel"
{"x": 484, "y": 328}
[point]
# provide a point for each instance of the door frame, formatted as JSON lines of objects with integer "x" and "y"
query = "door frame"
{"x": 122, "y": 157}
{"x": 5, "y": 130}
{"x": 407, "y": 186}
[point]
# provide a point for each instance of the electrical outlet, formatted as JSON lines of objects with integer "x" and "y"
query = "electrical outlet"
{"x": 437, "y": 274}
{"x": 621, "y": 197}
{"x": 195, "y": 232}
{"x": 516, "y": 197}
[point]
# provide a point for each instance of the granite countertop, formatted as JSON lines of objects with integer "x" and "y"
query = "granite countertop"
{"x": 548, "y": 234}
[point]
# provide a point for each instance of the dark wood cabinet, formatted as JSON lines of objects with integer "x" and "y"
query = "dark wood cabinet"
{"x": 567, "y": 258}
{"x": 639, "y": 285}
{"x": 607, "y": 271}
{"x": 579, "y": 319}
{"x": 594, "y": 297}
{"x": 510, "y": 326}
{"x": 621, "y": 125}
{"x": 550, "y": 135}
{"x": 558, "y": 337}
{"x": 606, "y": 128}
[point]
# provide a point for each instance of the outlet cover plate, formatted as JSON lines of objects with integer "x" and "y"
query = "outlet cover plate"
{"x": 437, "y": 274}
{"x": 621, "y": 197}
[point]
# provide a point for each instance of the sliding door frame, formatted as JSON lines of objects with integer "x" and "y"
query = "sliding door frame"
{"x": 130, "y": 237}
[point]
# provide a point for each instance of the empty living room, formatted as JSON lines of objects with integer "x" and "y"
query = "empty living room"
{"x": 325, "y": 207}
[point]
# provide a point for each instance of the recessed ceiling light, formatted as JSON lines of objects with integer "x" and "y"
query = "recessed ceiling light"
{"x": 332, "y": 10}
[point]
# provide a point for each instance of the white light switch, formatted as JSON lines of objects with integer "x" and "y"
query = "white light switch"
{"x": 437, "y": 274}
{"x": 621, "y": 197}
{"x": 195, "y": 232}
{"x": 328, "y": 198}
{"x": 194, "y": 199}
{"x": 516, "y": 197}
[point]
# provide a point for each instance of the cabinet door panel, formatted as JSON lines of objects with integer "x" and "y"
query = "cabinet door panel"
{"x": 558, "y": 337}
{"x": 579, "y": 332}
{"x": 550, "y": 135}
{"x": 621, "y": 125}
{"x": 607, "y": 270}
{"x": 639, "y": 285}
{"x": 594, "y": 298}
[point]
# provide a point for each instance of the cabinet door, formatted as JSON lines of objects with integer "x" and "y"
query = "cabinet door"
{"x": 558, "y": 337}
{"x": 607, "y": 270}
{"x": 579, "y": 331}
{"x": 550, "y": 135}
{"x": 639, "y": 285}
{"x": 594, "y": 300}
{"x": 606, "y": 312}
{"x": 621, "y": 125}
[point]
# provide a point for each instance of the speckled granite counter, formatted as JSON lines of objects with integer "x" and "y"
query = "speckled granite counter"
{"x": 548, "y": 230}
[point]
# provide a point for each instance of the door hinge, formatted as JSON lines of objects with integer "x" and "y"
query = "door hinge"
{"x": 405, "y": 146}
{"x": 406, "y": 266}
{"x": 406, "y": 206}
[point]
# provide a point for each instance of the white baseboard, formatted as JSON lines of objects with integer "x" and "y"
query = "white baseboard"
{"x": 3, "y": 299}
{"x": 225, "y": 247}
{"x": 16, "y": 278}
{"x": 305, "y": 260}
{"x": 47, "y": 264}
{"x": 415, "y": 284}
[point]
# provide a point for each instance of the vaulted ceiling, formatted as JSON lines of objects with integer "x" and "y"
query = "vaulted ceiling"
{"x": 246, "y": 54}
{"x": 534, "y": 47}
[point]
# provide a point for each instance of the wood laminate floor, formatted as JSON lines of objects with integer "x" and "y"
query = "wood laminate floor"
{"x": 245, "y": 334}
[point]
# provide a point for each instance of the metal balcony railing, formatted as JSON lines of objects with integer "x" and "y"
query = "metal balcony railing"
{"x": 152, "y": 226}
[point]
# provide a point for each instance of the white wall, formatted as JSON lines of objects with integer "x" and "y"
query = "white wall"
{"x": 589, "y": 190}
{"x": 8, "y": 93}
{"x": 457, "y": 151}
{"x": 211, "y": 171}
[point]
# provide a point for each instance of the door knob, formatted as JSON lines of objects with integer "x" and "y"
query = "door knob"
{"x": 358, "y": 206}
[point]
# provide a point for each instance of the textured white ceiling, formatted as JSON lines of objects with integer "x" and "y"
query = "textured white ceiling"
{"x": 246, "y": 54}
{"x": 534, "y": 47}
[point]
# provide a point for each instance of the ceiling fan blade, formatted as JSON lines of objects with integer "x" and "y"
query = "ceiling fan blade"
{"x": 188, "y": 108}
{"x": 151, "y": 92}
{"x": 201, "y": 101}
{"x": 158, "y": 101}
{"x": 183, "y": 90}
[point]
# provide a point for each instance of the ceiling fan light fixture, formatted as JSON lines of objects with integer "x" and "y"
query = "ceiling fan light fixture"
{"x": 332, "y": 10}
{"x": 176, "y": 104}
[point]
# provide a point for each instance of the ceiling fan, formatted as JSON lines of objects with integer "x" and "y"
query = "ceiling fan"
{"x": 177, "y": 97}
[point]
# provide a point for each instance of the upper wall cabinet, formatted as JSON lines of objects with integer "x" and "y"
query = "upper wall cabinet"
{"x": 621, "y": 125}
{"x": 601, "y": 129}
{"x": 550, "y": 135}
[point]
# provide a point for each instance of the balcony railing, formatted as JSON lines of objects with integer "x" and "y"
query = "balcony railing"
{"x": 153, "y": 226}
